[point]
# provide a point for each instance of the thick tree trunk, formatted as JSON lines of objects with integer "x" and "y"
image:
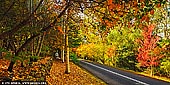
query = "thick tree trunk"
{"x": 11, "y": 48}
{"x": 12, "y": 63}
{"x": 19, "y": 50}
{"x": 11, "y": 66}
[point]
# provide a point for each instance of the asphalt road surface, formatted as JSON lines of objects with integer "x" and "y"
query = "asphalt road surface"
{"x": 114, "y": 76}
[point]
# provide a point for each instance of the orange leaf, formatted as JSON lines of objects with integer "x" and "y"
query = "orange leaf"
{"x": 106, "y": 21}
{"x": 101, "y": 19}
{"x": 110, "y": 5}
{"x": 140, "y": 25}
{"x": 142, "y": 5}
{"x": 114, "y": 22}
{"x": 120, "y": 13}
{"x": 109, "y": 2}
{"x": 49, "y": 9}
{"x": 135, "y": 11}
{"x": 152, "y": 12}
{"x": 118, "y": 6}
{"x": 60, "y": 29}
{"x": 135, "y": 3}
{"x": 147, "y": 19}
{"x": 143, "y": 18}
{"x": 158, "y": 5}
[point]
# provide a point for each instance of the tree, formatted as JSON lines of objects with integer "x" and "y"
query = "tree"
{"x": 124, "y": 41}
{"x": 147, "y": 57}
{"x": 22, "y": 24}
{"x": 108, "y": 13}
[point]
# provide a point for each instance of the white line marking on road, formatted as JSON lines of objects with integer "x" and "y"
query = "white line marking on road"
{"x": 117, "y": 74}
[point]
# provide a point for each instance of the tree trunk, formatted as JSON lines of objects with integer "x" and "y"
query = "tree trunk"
{"x": 32, "y": 37}
{"x": 32, "y": 51}
{"x": 62, "y": 54}
{"x": 12, "y": 63}
{"x": 166, "y": 22}
{"x": 151, "y": 70}
{"x": 32, "y": 47}
{"x": 11, "y": 66}
{"x": 20, "y": 49}
{"x": 67, "y": 52}
{"x": 63, "y": 38}
{"x": 40, "y": 44}
{"x": 0, "y": 43}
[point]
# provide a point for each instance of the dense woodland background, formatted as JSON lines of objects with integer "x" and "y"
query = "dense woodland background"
{"x": 129, "y": 34}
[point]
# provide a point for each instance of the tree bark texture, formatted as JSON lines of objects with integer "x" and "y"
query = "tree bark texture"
{"x": 40, "y": 44}
{"x": 62, "y": 54}
{"x": 67, "y": 52}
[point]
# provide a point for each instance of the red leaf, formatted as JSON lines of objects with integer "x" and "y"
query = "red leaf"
{"x": 148, "y": 46}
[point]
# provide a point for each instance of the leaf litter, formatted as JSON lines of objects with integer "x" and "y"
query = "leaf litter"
{"x": 77, "y": 76}
{"x": 51, "y": 72}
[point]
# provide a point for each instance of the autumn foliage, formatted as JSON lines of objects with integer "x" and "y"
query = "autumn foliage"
{"x": 149, "y": 53}
{"x": 97, "y": 30}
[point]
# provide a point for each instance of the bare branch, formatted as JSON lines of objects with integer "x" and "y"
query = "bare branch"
{"x": 51, "y": 24}
{"x": 8, "y": 10}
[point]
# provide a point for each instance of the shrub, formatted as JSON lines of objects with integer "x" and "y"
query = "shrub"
{"x": 165, "y": 67}
{"x": 74, "y": 58}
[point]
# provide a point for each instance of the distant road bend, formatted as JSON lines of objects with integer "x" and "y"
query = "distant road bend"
{"x": 114, "y": 76}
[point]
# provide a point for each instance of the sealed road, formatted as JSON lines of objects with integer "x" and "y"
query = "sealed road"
{"x": 114, "y": 76}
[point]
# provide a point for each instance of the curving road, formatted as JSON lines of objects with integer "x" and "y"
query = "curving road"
{"x": 114, "y": 76}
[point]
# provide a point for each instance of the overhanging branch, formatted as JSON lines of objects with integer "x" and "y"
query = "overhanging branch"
{"x": 8, "y": 10}
{"x": 20, "y": 25}
{"x": 43, "y": 30}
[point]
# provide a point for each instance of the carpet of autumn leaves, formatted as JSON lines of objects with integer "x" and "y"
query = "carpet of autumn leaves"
{"x": 3, "y": 67}
{"x": 78, "y": 76}
{"x": 37, "y": 71}
{"x": 53, "y": 76}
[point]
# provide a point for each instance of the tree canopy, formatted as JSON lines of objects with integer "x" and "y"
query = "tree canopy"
{"x": 107, "y": 31}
